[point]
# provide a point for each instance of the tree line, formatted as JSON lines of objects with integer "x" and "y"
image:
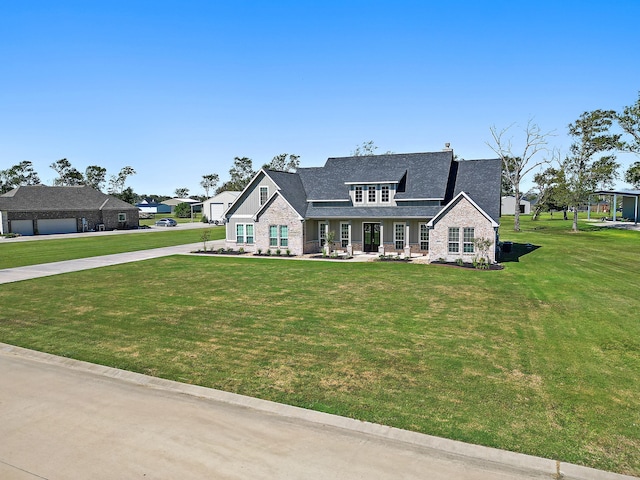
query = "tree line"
{"x": 567, "y": 181}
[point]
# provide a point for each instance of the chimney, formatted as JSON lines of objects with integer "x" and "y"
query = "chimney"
{"x": 447, "y": 147}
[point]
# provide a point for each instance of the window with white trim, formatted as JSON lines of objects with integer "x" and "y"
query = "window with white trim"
{"x": 322, "y": 233}
{"x": 467, "y": 240}
{"x": 344, "y": 235}
{"x": 284, "y": 236}
{"x": 122, "y": 217}
{"x": 398, "y": 235}
{"x": 371, "y": 194}
{"x": 273, "y": 235}
{"x": 454, "y": 240}
{"x": 244, "y": 233}
{"x": 240, "y": 232}
{"x": 264, "y": 195}
{"x": 384, "y": 193}
{"x": 424, "y": 237}
{"x": 358, "y": 193}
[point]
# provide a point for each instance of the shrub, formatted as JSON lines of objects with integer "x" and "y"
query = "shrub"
{"x": 288, "y": 252}
{"x": 241, "y": 250}
{"x": 204, "y": 219}
{"x": 460, "y": 262}
{"x": 221, "y": 250}
{"x": 278, "y": 252}
{"x": 268, "y": 253}
{"x": 259, "y": 251}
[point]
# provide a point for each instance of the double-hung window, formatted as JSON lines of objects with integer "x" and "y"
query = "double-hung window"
{"x": 358, "y": 193}
{"x": 240, "y": 233}
{"x": 371, "y": 194}
{"x": 122, "y": 217}
{"x": 384, "y": 194}
{"x": 264, "y": 195}
{"x": 284, "y": 236}
{"x": 467, "y": 240}
{"x": 398, "y": 235}
{"x": 454, "y": 240}
{"x": 273, "y": 235}
{"x": 344, "y": 235}
{"x": 249, "y": 232}
{"x": 424, "y": 237}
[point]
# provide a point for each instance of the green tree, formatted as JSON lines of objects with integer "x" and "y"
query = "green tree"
{"x": 629, "y": 121}
{"x": 516, "y": 166}
{"x": 117, "y": 182}
{"x": 632, "y": 175}
{"x": 585, "y": 168}
{"x": 17, "y": 175}
{"x": 551, "y": 191}
{"x": 182, "y": 192}
{"x": 209, "y": 182}
{"x": 183, "y": 210}
{"x": 241, "y": 173}
{"x": 126, "y": 195}
{"x": 95, "y": 176}
{"x": 67, "y": 174}
{"x": 284, "y": 162}
{"x": 364, "y": 149}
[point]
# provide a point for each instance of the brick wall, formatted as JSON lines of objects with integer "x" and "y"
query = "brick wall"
{"x": 462, "y": 214}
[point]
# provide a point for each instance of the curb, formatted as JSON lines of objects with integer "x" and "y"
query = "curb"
{"x": 552, "y": 468}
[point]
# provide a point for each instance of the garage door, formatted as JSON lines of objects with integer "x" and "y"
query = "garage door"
{"x": 217, "y": 209}
{"x": 57, "y": 225}
{"x": 23, "y": 227}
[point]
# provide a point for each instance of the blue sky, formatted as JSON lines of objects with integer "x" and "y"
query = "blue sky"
{"x": 177, "y": 89}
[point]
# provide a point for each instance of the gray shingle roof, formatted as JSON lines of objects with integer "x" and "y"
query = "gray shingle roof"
{"x": 372, "y": 212}
{"x": 291, "y": 189}
{"x": 426, "y": 174}
{"x": 480, "y": 179}
{"x": 42, "y": 198}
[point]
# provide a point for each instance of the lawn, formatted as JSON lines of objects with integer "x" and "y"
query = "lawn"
{"x": 18, "y": 254}
{"x": 542, "y": 357}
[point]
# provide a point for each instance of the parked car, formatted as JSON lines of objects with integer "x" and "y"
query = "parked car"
{"x": 166, "y": 222}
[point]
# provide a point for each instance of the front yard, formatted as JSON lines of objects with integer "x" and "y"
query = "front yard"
{"x": 542, "y": 357}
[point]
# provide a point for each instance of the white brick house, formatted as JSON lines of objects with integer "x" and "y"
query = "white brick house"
{"x": 407, "y": 204}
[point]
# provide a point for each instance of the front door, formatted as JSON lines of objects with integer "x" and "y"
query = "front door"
{"x": 371, "y": 237}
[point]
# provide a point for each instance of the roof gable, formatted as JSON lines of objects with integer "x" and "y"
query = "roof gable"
{"x": 461, "y": 196}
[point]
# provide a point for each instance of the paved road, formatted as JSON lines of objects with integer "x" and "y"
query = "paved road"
{"x": 63, "y": 419}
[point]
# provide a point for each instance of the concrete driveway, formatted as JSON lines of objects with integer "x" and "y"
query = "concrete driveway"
{"x": 64, "y": 419}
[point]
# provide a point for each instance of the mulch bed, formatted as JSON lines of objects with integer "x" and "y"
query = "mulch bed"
{"x": 494, "y": 266}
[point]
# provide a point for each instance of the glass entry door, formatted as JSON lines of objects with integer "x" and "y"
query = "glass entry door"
{"x": 371, "y": 237}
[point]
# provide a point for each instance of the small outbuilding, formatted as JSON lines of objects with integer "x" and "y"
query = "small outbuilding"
{"x": 508, "y": 206}
{"x": 215, "y": 207}
{"x": 41, "y": 210}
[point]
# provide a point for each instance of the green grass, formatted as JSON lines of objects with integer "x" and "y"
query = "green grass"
{"x": 542, "y": 357}
{"x": 18, "y": 254}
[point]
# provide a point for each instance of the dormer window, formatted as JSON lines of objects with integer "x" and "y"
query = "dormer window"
{"x": 358, "y": 192}
{"x": 371, "y": 194}
{"x": 384, "y": 194}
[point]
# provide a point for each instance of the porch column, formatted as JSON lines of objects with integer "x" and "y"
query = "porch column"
{"x": 349, "y": 246}
{"x": 381, "y": 246}
{"x": 615, "y": 206}
{"x": 407, "y": 247}
{"x": 589, "y": 208}
{"x": 636, "y": 216}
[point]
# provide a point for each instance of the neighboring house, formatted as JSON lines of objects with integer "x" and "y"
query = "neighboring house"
{"x": 419, "y": 203}
{"x": 172, "y": 202}
{"x": 149, "y": 205}
{"x": 215, "y": 207}
{"x": 39, "y": 210}
{"x": 508, "y": 206}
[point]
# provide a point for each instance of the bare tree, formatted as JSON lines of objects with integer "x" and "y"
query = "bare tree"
{"x": 515, "y": 166}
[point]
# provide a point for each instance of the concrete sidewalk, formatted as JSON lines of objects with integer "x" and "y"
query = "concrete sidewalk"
{"x": 62, "y": 418}
{"x": 17, "y": 274}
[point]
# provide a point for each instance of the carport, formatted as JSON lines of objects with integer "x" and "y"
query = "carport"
{"x": 628, "y": 199}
